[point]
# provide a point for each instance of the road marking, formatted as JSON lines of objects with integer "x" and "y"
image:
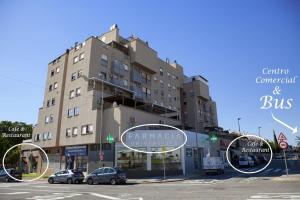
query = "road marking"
{"x": 14, "y": 193}
{"x": 260, "y": 196}
{"x": 104, "y": 196}
{"x": 54, "y": 196}
{"x": 113, "y": 198}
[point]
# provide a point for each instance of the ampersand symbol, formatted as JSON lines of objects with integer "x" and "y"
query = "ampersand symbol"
{"x": 276, "y": 90}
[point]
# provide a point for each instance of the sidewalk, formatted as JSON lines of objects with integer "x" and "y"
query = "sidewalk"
{"x": 161, "y": 180}
{"x": 290, "y": 177}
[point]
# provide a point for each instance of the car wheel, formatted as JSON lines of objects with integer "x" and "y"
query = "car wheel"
{"x": 90, "y": 181}
{"x": 76, "y": 181}
{"x": 113, "y": 181}
{"x": 6, "y": 180}
{"x": 51, "y": 180}
{"x": 69, "y": 181}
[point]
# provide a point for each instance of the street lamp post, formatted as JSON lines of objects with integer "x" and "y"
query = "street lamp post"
{"x": 101, "y": 122}
{"x": 259, "y": 130}
{"x": 239, "y": 124}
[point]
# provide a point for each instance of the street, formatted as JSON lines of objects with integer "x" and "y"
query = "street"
{"x": 269, "y": 184}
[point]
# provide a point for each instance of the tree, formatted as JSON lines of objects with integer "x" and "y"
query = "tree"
{"x": 12, "y": 133}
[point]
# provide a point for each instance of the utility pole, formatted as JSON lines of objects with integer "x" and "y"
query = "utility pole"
{"x": 259, "y": 131}
{"x": 101, "y": 122}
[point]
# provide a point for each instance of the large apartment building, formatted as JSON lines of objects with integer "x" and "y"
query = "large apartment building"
{"x": 103, "y": 86}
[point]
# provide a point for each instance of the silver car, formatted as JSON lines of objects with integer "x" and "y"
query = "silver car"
{"x": 66, "y": 176}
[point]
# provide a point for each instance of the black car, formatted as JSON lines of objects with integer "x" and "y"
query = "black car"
{"x": 4, "y": 177}
{"x": 112, "y": 175}
{"x": 66, "y": 176}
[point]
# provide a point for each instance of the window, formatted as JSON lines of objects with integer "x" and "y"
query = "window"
{"x": 126, "y": 67}
{"x": 52, "y": 73}
{"x": 75, "y": 59}
{"x": 55, "y": 85}
{"x": 144, "y": 89}
{"x": 46, "y": 120}
{"x": 104, "y": 60}
{"x": 70, "y": 112}
{"x": 103, "y": 74}
{"x": 90, "y": 128}
{"x": 50, "y": 88}
{"x": 57, "y": 70}
{"x": 75, "y": 131}
{"x": 154, "y": 78}
{"x": 48, "y": 103}
{"x": 125, "y": 82}
{"x": 53, "y": 101}
{"x": 161, "y": 72}
{"x": 76, "y": 111}
{"x": 87, "y": 129}
{"x": 37, "y": 137}
{"x": 72, "y": 94}
{"x": 81, "y": 56}
{"x": 45, "y": 136}
{"x": 68, "y": 132}
{"x": 51, "y": 118}
{"x": 78, "y": 91}
{"x": 49, "y": 136}
{"x": 73, "y": 76}
{"x": 79, "y": 73}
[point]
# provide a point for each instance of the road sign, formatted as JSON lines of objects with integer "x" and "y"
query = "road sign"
{"x": 283, "y": 145}
{"x": 282, "y": 137}
{"x": 110, "y": 138}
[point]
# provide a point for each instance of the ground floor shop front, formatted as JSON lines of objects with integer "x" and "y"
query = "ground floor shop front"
{"x": 86, "y": 158}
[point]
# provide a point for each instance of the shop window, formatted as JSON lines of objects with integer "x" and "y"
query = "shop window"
{"x": 132, "y": 160}
{"x": 172, "y": 159}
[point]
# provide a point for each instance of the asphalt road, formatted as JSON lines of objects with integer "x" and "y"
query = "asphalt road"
{"x": 232, "y": 185}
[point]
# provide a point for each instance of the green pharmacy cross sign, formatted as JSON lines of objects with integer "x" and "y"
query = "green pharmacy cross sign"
{"x": 213, "y": 138}
{"x": 110, "y": 138}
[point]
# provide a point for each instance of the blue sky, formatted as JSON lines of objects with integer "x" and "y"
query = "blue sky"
{"x": 228, "y": 42}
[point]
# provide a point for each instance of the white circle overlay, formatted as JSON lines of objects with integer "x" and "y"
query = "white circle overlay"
{"x": 150, "y": 152}
{"x": 252, "y": 172}
{"x": 3, "y": 163}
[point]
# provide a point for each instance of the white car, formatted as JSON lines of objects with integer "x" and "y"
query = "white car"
{"x": 246, "y": 161}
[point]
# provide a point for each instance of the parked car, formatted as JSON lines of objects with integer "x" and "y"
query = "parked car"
{"x": 255, "y": 159}
{"x": 112, "y": 175}
{"x": 4, "y": 177}
{"x": 262, "y": 159}
{"x": 213, "y": 165}
{"x": 246, "y": 161}
{"x": 66, "y": 176}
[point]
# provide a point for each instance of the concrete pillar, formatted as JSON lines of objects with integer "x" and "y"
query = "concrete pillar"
{"x": 182, "y": 152}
